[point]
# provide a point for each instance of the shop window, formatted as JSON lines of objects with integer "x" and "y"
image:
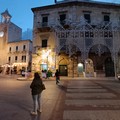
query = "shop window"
{"x": 44, "y": 67}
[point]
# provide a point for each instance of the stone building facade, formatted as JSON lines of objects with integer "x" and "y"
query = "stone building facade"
{"x": 77, "y": 37}
{"x": 15, "y": 53}
{"x": 19, "y": 55}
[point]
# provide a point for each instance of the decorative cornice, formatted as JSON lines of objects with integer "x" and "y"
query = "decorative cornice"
{"x": 78, "y": 3}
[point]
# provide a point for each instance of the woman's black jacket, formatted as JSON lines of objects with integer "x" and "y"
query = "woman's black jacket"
{"x": 36, "y": 86}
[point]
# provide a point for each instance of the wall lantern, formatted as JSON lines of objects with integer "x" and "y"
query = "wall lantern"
{"x": 80, "y": 67}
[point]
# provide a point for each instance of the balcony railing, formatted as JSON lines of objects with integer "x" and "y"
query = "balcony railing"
{"x": 41, "y": 25}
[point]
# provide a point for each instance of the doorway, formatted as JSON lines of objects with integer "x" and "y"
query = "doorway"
{"x": 99, "y": 55}
{"x": 63, "y": 70}
{"x": 109, "y": 67}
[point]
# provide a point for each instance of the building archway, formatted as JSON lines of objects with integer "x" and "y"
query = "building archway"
{"x": 63, "y": 67}
{"x": 109, "y": 67}
{"x": 68, "y": 60}
{"x": 99, "y": 54}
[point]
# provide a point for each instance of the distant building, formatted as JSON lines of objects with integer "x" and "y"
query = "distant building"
{"x": 19, "y": 55}
{"x": 15, "y": 53}
{"x": 27, "y": 34}
{"x": 78, "y": 37}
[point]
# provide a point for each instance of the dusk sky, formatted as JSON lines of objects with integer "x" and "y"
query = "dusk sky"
{"x": 21, "y": 12}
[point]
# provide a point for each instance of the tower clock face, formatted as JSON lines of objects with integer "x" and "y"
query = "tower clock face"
{"x": 1, "y": 33}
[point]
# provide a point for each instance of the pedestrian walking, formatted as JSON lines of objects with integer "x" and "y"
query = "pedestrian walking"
{"x": 57, "y": 75}
{"x": 36, "y": 90}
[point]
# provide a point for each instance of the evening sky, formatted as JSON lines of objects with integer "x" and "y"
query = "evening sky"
{"x": 21, "y": 13}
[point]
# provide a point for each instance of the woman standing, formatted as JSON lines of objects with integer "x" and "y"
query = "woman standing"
{"x": 36, "y": 87}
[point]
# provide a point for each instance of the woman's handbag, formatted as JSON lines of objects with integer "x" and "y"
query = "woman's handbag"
{"x": 43, "y": 87}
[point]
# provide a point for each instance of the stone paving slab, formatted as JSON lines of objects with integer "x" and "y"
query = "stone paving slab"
{"x": 91, "y": 95}
{"x": 83, "y": 87}
{"x": 91, "y": 115}
{"x": 86, "y": 90}
{"x": 93, "y": 103}
{"x": 80, "y": 83}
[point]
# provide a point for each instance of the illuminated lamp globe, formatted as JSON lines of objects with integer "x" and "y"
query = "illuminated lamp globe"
{"x": 80, "y": 65}
{"x": 1, "y": 34}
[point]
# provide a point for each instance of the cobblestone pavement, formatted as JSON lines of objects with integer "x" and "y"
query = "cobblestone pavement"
{"x": 88, "y": 99}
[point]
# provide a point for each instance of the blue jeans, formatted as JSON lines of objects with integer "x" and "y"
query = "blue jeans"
{"x": 36, "y": 102}
{"x": 57, "y": 80}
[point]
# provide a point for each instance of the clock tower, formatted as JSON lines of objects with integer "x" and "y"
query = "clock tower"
{"x": 4, "y": 25}
{"x": 5, "y": 20}
{"x": 6, "y": 17}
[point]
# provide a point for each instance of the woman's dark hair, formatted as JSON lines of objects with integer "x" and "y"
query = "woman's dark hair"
{"x": 36, "y": 75}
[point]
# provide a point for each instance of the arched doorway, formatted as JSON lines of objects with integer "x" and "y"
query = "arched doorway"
{"x": 63, "y": 68}
{"x": 99, "y": 53}
{"x": 69, "y": 57}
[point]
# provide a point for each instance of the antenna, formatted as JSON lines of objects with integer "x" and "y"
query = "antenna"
{"x": 55, "y": 1}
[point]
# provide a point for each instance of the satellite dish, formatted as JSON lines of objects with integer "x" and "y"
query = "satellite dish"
{"x": 1, "y": 34}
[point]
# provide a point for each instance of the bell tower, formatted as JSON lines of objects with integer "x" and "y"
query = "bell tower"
{"x": 4, "y": 25}
{"x": 5, "y": 17}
